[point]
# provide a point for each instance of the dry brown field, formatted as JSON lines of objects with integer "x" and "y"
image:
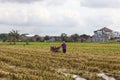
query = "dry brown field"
{"x": 36, "y": 62}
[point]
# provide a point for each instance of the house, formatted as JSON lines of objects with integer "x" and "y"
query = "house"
{"x": 89, "y": 39}
{"x": 104, "y": 35}
{"x": 54, "y": 39}
{"x": 35, "y": 38}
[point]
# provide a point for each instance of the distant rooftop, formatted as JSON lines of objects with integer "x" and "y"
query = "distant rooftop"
{"x": 104, "y": 29}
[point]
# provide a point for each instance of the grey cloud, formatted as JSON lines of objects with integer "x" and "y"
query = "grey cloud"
{"x": 93, "y": 23}
{"x": 101, "y": 3}
{"x": 53, "y": 3}
{"x": 39, "y": 26}
{"x": 99, "y": 21}
{"x": 47, "y": 2}
{"x": 33, "y": 21}
{"x": 19, "y": 1}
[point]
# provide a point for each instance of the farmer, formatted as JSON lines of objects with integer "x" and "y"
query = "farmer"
{"x": 63, "y": 47}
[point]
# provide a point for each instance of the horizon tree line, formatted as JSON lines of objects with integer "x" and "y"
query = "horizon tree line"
{"x": 14, "y": 36}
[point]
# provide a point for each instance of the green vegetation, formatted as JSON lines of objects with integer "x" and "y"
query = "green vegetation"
{"x": 36, "y": 62}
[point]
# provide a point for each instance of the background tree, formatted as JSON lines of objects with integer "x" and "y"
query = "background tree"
{"x": 4, "y": 37}
{"x": 64, "y": 37}
{"x": 24, "y": 38}
{"x": 46, "y": 38}
{"x": 84, "y": 37}
{"x": 38, "y": 38}
{"x": 75, "y": 37}
{"x": 111, "y": 36}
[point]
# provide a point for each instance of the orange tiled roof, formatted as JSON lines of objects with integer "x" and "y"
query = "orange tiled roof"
{"x": 105, "y": 29}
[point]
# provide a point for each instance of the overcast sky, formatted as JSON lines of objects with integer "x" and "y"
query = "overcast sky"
{"x": 53, "y": 17}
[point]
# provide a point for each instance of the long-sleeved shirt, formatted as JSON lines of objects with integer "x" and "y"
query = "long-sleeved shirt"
{"x": 64, "y": 46}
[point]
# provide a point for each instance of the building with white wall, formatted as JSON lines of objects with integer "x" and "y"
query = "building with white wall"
{"x": 105, "y": 34}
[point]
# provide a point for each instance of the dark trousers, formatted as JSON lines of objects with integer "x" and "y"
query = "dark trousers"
{"x": 64, "y": 50}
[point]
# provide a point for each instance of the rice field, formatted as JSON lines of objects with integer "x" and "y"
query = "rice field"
{"x": 36, "y": 62}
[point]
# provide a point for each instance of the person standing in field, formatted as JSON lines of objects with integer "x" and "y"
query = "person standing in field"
{"x": 63, "y": 47}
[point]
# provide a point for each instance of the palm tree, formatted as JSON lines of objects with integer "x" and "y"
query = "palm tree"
{"x": 13, "y": 36}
